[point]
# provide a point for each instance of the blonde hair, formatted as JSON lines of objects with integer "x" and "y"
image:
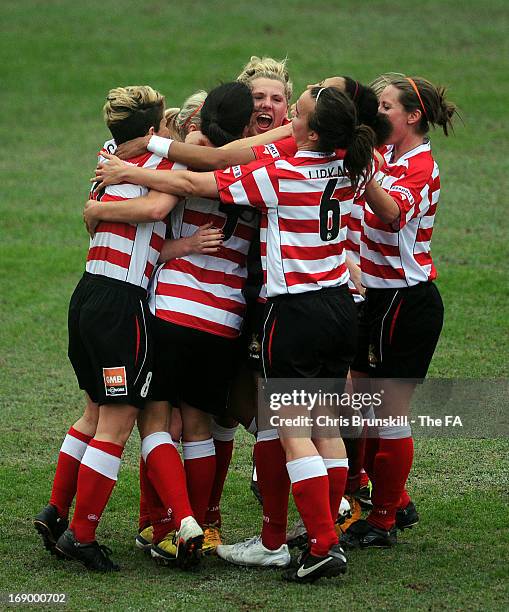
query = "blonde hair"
{"x": 179, "y": 122}
{"x": 267, "y": 68}
{"x": 381, "y": 82}
{"x": 122, "y": 102}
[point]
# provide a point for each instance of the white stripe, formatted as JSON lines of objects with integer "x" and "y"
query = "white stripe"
{"x": 114, "y": 241}
{"x": 239, "y": 194}
{"x": 101, "y": 462}
{"x": 126, "y": 191}
{"x": 145, "y": 348}
{"x": 264, "y": 335}
{"x": 198, "y": 450}
{"x": 313, "y": 266}
{"x": 73, "y": 447}
{"x": 196, "y": 309}
{"x": 276, "y": 282}
{"x": 153, "y": 441}
{"x": 395, "y": 433}
{"x": 265, "y": 187}
{"x": 305, "y": 468}
{"x": 267, "y": 435}
{"x": 335, "y": 463}
{"x": 223, "y": 434}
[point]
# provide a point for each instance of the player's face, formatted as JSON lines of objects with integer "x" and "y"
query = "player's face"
{"x": 162, "y": 130}
{"x": 390, "y": 106}
{"x": 270, "y": 105}
{"x": 304, "y": 106}
{"x": 338, "y": 82}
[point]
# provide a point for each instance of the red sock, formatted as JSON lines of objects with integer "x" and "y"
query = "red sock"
{"x": 370, "y": 451}
{"x": 337, "y": 471}
{"x": 274, "y": 485}
{"x": 144, "y": 515}
{"x": 96, "y": 478}
{"x": 66, "y": 475}
{"x": 200, "y": 467}
{"x": 223, "y": 443}
{"x": 310, "y": 488}
{"x": 404, "y": 500}
{"x": 391, "y": 468}
{"x": 166, "y": 476}
{"x": 157, "y": 514}
{"x": 355, "y": 452}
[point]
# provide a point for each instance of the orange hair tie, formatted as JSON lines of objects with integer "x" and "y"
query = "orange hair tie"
{"x": 188, "y": 120}
{"x": 412, "y": 83}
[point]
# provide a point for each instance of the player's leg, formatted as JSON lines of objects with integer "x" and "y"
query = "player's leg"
{"x": 52, "y": 521}
{"x": 97, "y": 477}
{"x": 167, "y": 478}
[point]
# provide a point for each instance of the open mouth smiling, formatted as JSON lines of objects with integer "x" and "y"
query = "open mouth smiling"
{"x": 264, "y": 121}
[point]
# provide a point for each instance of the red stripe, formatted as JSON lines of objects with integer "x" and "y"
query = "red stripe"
{"x": 299, "y": 278}
{"x": 180, "y": 318}
{"x": 350, "y": 245}
{"x": 393, "y": 322}
{"x": 124, "y": 230}
{"x": 202, "y": 297}
{"x": 205, "y": 276}
{"x": 387, "y": 250}
{"x": 156, "y": 242}
{"x": 373, "y": 222}
{"x": 232, "y": 255}
{"x": 424, "y": 235}
{"x": 149, "y": 268}
{"x": 79, "y": 436}
{"x": 110, "y": 255}
{"x": 194, "y": 217}
{"x": 269, "y": 348}
{"x": 311, "y": 252}
{"x": 299, "y": 226}
{"x": 137, "y": 339}
{"x": 423, "y": 259}
{"x": 387, "y": 272}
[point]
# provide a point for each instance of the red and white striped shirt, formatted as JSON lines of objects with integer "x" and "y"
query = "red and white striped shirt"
{"x": 401, "y": 257}
{"x": 305, "y": 200}
{"x": 353, "y": 240}
{"x": 205, "y": 291}
{"x": 126, "y": 251}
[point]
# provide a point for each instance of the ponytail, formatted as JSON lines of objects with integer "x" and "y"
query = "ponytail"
{"x": 335, "y": 121}
{"x": 359, "y": 154}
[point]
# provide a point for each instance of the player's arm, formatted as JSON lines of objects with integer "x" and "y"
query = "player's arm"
{"x": 381, "y": 203}
{"x": 178, "y": 182}
{"x": 155, "y": 206}
{"x": 355, "y": 275}
{"x": 207, "y": 240}
{"x": 199, "y": 157}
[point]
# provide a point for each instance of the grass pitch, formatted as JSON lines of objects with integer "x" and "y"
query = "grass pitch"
{"x": 58, "y": 61}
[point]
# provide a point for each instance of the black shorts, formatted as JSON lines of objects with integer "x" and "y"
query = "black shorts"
{"x": 192, "y": 366}
{"x": 310, "y": 335}
{"x": 251, "y": 337}
{"x": 398, "y": 331}
{"x": 110, "y": 345}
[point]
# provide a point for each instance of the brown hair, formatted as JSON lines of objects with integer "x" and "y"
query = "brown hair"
{"x": 335, "y": 121}
{"x": 429, "y": 99}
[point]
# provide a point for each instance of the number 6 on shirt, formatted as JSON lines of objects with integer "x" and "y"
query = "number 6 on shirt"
{"x": 330, "y": 213}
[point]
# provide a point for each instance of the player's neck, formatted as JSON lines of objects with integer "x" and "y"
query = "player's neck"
{"x": 406, "y": 144}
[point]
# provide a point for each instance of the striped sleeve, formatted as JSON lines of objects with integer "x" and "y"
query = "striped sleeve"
{"x": 254, "y": 185}
{"x": 282, "y": 148}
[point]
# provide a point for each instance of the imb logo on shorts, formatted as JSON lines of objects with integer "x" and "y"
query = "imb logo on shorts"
{"x": 115, "y": 381}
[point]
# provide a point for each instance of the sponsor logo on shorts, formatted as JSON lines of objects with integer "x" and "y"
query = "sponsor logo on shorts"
{"x": 115, "y": 381}
{"x": 237, "y": 172}
{"x": 272, "y": 150}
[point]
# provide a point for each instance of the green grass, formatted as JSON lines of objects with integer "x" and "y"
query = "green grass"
{"x": 58, "y": 60}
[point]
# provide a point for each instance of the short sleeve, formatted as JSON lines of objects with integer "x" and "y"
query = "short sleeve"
{"x": 282, "y": 148}
{"x": 254, "y": 184}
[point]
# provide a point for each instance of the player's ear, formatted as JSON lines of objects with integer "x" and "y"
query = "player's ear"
{"x": 313, "y": 136}
{"x": 151, "y": 131}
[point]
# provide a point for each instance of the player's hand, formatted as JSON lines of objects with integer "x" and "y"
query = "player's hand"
{"x": 355, "y": 275}
{"x": 133, "y": 148}
{"x": 89, "y": 218}
{"x": 198, "y": 138}
{"x": 207, "y": 240}
{"x": 379, "y": 160}
{"x": 111, "y": 172}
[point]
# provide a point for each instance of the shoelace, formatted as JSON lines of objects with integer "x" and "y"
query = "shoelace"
{"x": 106, "y": 552}
{"x": 250, "y": 541}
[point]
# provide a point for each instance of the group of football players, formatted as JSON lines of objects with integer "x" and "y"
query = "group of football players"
{"x": 234, "y": 244}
